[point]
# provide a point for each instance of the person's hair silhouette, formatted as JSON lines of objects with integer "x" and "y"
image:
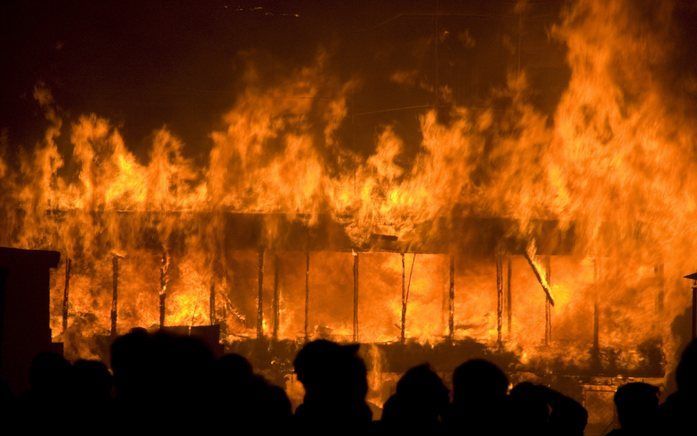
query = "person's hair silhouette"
{"x": 418, "y": 405}
{"x": 479, "y": 398}
{"x": 637, "y": 409}
{"x": 335, "y": 382}
{"x": 676, "y": 414}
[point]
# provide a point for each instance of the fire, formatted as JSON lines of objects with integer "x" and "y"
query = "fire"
{"x": 613, "y": 164}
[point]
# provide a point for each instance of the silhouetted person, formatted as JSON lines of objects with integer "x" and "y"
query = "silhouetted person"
{"x": 637, "y": 409}
{"x": 677, "y": 413}
{"x": 90, "y": 383}
{"x": 131, "y": 365}
{"x": 529, "y": 412}
{"x": 247, "y": 399}
{"x": 537, "y": 409}
{"x": 47, "y": 398}
{"x": 89, "y": 396}
{"x": 418, "y": 405}
{"x": 479, "y": 399}
{"x": 162, "y": 382}
{"x": 335, "y": 382}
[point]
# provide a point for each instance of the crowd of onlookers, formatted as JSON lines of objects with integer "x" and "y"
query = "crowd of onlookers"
{"x": 164, "y": 383}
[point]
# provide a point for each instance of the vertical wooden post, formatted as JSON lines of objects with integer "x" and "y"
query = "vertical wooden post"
{"x": 509, "y": 297}
{"x": 66, "y": 295}
{"x": 114, "y": 294}
{"x": 355, "y": 296}
{"x": 451, "y": 300}
{"x": 276, "y": 297}
{"x": 260, "y": 294}
{"x": 307, "y": 294}
{"x": 402, "y": 334}
{"x": 211, "y": 302}
{"x": 164, "y": 278}
{"x": 499, "y": 296}
{"x": 596, "y": 313}
{"x": 548, "y": 304}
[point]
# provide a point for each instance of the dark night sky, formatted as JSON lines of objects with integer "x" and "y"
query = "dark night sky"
{"x": 176, "y": 63}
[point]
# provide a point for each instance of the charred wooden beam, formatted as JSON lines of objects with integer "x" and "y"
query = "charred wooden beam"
{"x": 403, "y": 324}
{"x": 509, "y": 297}
{"x": 451, "y": 300}
{"x": 164, "y": 278}
{"x": 211, "y": 302}
{"x": 476, "y": 235}
{"x": 114, "y": 294}
{"x": 499, "y": 298}
{"x": 539, "y": 277}
{"x": 66, "y": 295}
{"x": 276, "y": 297}
{"x": 595, "y": 351}
{"x": 548, "y": 304}
{"x": 355, "y": 296}
{"x": 260, "y": 294}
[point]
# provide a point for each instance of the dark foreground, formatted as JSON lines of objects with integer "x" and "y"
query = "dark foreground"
{"x": 164, "y": 383}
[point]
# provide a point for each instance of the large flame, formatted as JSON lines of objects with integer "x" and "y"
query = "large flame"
{"x": 615, "y": 161}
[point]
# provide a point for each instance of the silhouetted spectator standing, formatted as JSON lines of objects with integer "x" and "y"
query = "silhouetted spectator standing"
{"x": 335, "y": 382}
{"x": 47, "y": 400}
{"x": 90, "y": 393}
{"x": 479, "y": 399}
{"x": 418, "y": 405}
{"x": 162, "y": 382}
{"x": 637, "y": 410}
{"x": 247, "y": 399}
{"x": 540, "y": 410}
{"x": 677, "y": 414}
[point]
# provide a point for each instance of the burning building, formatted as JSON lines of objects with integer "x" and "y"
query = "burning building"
{"x": 511, "y": 179}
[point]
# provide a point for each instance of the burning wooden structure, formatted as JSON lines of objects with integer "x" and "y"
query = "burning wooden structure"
{"x": 274, "y": 242}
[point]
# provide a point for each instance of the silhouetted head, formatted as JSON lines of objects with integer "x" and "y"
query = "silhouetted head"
{"x": 420, "y": 400}
{"x": 421, "y": 388}
{"x": 529, "y": 407}
{"x": 91, "y": 381}
{"x": 49, "y": 374}
{"x": 686, "y": 372}
{"x": 232, "y": 381}
{"x": 330, "y": 370}
{"x": 233, "y": 367}
{"x": 336, "y": 384}
{"x": 131, "y": 362}
{"x": 637, "y": 405}
{"x": 477, "y": 381}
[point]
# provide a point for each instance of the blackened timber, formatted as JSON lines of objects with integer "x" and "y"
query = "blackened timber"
{"x": 241, "y": 231}
{"x": 260, "y": 294}
{"x": 276, "y": 296}
{"x": 355, "y": 296}
{"x": 451, "y": 300}
{"x": 403, "y": 324}
{"x": 66, "y": 295}
{"x": 114, "y": 294}
{"x": 164, "y": 271}
{"x": 548, "y": 306}
{"x": 596, "y": 328}
{"x": 499, "y": 297}
{"x": 595, "y": 352}
{"x": 540, "y": 280}
{"x": 211, "y": 302}
{"x": 509, "y": 296}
